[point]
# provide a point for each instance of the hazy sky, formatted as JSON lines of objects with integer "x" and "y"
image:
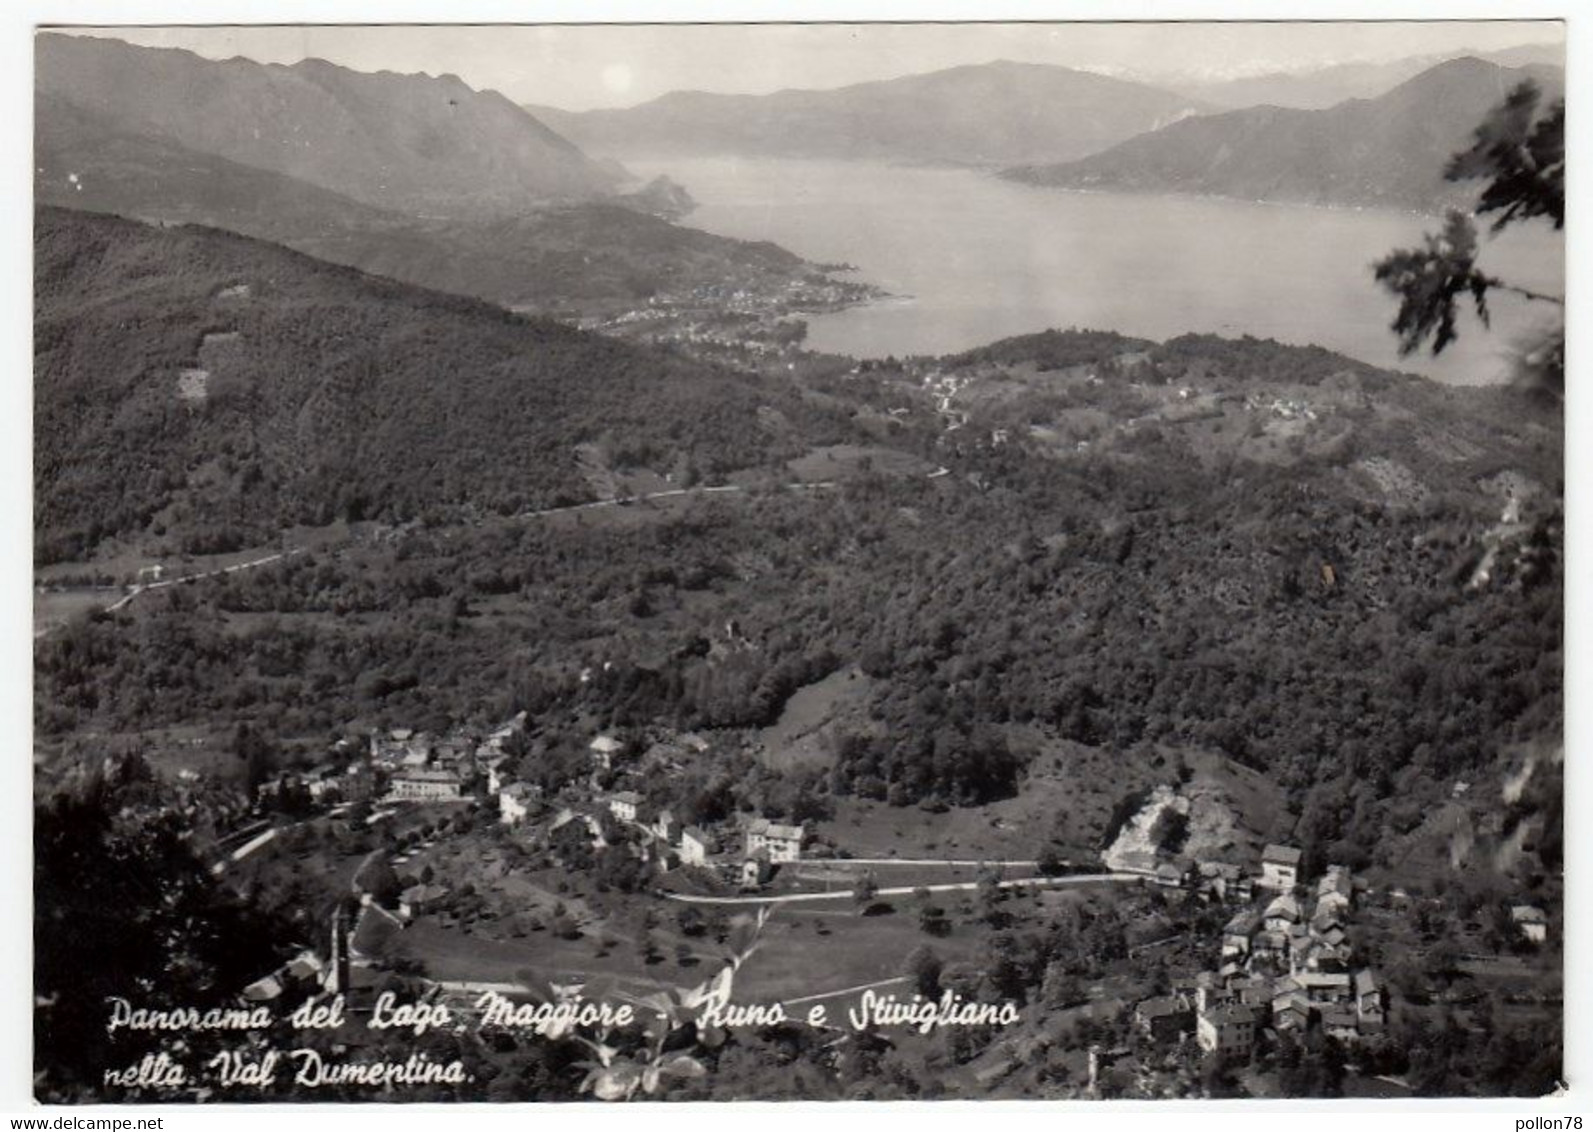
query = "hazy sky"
{"x": 582, "y": 67}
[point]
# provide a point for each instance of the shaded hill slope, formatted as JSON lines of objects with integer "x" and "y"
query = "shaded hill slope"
{"x": 201, "y": 380}
{"x": 408, "y": 142}
{"x": 547, "y": 256}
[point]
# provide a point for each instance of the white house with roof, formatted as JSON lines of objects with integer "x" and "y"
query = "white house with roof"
{"x": 1324, "y": 986}
{"x": 604, "y": 749}
{"x": 696, "y": 845}
{"x": 1227, "y": 1029}
{"x": 624, "y": 804}
{"x": 1280, "y": 867}
{"x": 1282, "y": 914}
{"x": 422, "y": 784}
{"x": 514, "y": 802}
{"x": 784, "y": 842}
{"x": 1532, "y": 923}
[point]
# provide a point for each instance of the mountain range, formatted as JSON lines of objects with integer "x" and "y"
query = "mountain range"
{"x": 1388, "y": 151}
{"x": 415, "y": 143}
{"x": 1327, "y": 86}
{"x": 986, "y": 114}
{"x": 431, "y": 182}
{"x": 93, "y": 153}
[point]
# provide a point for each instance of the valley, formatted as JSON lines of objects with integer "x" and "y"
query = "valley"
{"x": 1081, "y": 470}
{"x": 799, "y": 582}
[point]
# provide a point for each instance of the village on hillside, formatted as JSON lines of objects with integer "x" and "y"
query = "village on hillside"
{"x": 1286, "y": 965}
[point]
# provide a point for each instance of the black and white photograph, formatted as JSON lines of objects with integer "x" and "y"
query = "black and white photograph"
{"x": 797, "y": 561}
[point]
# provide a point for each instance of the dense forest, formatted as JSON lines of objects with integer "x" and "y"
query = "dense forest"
{"x": 1123, "y": 606}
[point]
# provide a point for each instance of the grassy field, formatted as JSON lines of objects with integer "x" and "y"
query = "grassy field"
{"x": 451, "y": 954}
{"x": 802, "y": 953}
{"x": 805, "y": 950}
{"x": 847, "y": 461}
{"x": 54, "y": 609}
{"x": 798, "y": 739}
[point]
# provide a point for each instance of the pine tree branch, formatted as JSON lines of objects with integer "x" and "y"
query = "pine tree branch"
{"x": 1524, "y": 292}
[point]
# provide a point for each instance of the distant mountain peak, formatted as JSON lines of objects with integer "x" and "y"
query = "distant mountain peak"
{"x": 990, "y": 113}
{"x": 412, "y": 142}
{"x": 1386, "y": 151}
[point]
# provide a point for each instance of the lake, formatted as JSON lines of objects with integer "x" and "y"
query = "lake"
{"x": 973, "y": 258}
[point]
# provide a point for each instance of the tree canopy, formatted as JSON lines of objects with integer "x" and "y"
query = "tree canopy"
{"x": 1520, "y": 153}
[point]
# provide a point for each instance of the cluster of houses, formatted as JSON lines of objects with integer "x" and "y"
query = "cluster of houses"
{"x": 1285, "y": 408}
{"x": 749, "y": 315}
{"x": 338, "y": 781}
{"x": 1286, "y": 964}
{"x": 424, "y": 768}
{"x": 404, "y": 765}
{"x": 749, "y": 857}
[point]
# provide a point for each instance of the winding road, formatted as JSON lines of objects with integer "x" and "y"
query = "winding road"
{"x": 233, "y": 569}
{"x": 908, "y": 890}
{"x": 267, "y": 560}
{"x": 970, "y": 863}
{"x": 620, "y": 501}
{"x": 672, "y": 493}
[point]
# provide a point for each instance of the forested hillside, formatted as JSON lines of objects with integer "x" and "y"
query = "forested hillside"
{"x": 192, "y": 380}
{"x": 567, "y": 256}
{"x": 1134, "y": 599}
